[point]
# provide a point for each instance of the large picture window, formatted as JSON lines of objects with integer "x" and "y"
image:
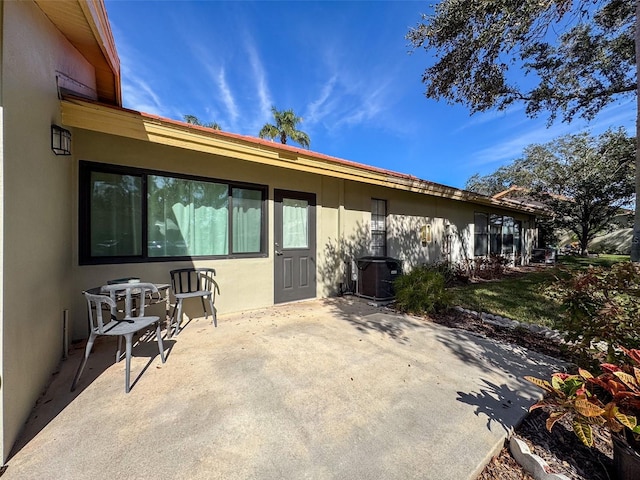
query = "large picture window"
{"x": 131, "y": 215}
{"x": 496, "y": 235}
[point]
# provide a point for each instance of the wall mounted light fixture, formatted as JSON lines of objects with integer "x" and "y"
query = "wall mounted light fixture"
{"x": 60, "y": 140}
{"x": 425, "y": 235}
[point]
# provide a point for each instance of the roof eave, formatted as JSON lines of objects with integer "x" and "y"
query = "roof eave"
{"x": 93, "y": 116}
{"x": 86, "y": 25}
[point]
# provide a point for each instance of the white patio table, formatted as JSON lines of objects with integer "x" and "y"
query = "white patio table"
{"x": 151, "y": 298}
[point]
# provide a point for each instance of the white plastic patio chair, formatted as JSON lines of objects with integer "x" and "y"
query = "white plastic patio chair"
{"x": 125, "y": 327}
{"x": 193, "y": 283}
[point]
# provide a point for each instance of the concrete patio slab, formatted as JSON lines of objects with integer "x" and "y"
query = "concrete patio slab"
{"x": 322, "y": 389}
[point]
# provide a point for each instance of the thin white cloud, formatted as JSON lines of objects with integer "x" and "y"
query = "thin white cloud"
{"x": 368, "y": 105}
{"x": 613, "y": 116}
{"x": 227, "y": 97}
{"x": 482, "y": 118}
{"x": 349, "y": 97}
{"x": 510, "y": 149}
{"x": 621, "y": 114}
{"x": 321, "y": 107}
{"x": 137, "y": 94}
{"x": 348, "y": 91}
{"x": 260, "y": 78}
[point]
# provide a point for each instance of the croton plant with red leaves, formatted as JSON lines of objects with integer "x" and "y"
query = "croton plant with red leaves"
{"x": 611, "y": 399}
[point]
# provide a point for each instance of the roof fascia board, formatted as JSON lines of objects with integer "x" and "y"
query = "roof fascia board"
{"x": 86, "y": 25}
{"x": 130, "y": 124}
{"x": 96, "y": 15}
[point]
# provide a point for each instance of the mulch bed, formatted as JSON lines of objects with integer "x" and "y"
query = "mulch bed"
{"x": 561, "y": 448}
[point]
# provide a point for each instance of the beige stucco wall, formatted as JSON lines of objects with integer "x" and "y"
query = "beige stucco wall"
{"x": 342, "y": 215}
{"x": 451, "y": 223}
{"x": 343, "y": 219}
{"x": 36, "y": 209}
{"x": 245, "y": 283}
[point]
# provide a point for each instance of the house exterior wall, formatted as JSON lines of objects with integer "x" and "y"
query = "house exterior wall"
{"x": 451, "y": 224}
{"x": 36, "y": 209}
{"x": 245, "y": 283}
{"x": 343, "y": 223}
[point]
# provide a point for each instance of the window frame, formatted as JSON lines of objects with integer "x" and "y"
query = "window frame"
{"x": 378, "y": 233}
{"x": 495, "y": 222}
{"x": 84, "y": 215}
{"x": 481, "y": 234}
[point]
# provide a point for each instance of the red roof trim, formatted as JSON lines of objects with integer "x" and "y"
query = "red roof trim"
{"x": 262, "y": 142}
{"x": 408, "y": 180}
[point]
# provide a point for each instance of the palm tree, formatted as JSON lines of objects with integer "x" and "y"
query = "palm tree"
{"x": 193, "y": 120}
{"x": 284, "y": 128}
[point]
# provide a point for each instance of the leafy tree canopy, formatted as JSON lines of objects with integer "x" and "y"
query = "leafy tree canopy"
{"x": 193, "y": 120}
{"x": 583, "y": 180}
{"x": 586, "y": 66}
{"x": 286, "y": 122}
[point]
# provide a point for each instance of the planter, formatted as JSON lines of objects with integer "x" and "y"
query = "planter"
{"x": 626, "y": 459}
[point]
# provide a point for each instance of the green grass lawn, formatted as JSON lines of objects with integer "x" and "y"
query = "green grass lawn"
{"x": 582, "y": 262}
{"x": 522, "y": 298}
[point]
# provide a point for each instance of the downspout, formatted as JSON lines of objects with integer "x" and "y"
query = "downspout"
{"x": 340, "y": 234}
{"x": 3, "y": 442}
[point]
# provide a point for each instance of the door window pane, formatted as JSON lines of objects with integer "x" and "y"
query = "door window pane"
{"x": 116, "y": 212}
{"x": 247, "y": 220}
{"x": 295, "y": 220}
{"x": 187, "y": 217}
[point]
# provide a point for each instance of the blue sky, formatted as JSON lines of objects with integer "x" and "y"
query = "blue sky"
{"x": 343, "y": 66}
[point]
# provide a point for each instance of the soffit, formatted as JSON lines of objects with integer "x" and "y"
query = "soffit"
{"x": 86, "y": 25}
{"x": 141, "y": 126}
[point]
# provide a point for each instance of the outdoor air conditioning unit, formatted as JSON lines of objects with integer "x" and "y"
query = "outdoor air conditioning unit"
{"x": 376, "y": 276}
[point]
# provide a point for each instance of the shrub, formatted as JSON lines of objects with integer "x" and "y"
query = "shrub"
{"x": 601, "y": 307}
{"x": 611, "y": 400}
{"x": 485, "y": 267}
{"x": 449, "y": 271}
{"x": 421, "y": 291}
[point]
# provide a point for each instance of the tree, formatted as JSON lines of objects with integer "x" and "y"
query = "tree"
{"x": 285, "y": 127}
{"x": 589, "y": 64}
{"x": 193, "y": 120}
{"x": 583, "y": 180}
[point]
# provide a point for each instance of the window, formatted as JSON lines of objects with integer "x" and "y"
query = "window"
{"x": 187, "y": 217}
{"x": 496, "y": 235}
{"x": 115, "y": 214}
{"x": 131, "y": 215}
{"x": 481, "y": 235}
{"x": 517, "y": 229}
{"x": 378, "y": 227}
{"x": 247, "y": 220}
{"x": 508, "y": 227}
{"x": 295, "y": 223}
